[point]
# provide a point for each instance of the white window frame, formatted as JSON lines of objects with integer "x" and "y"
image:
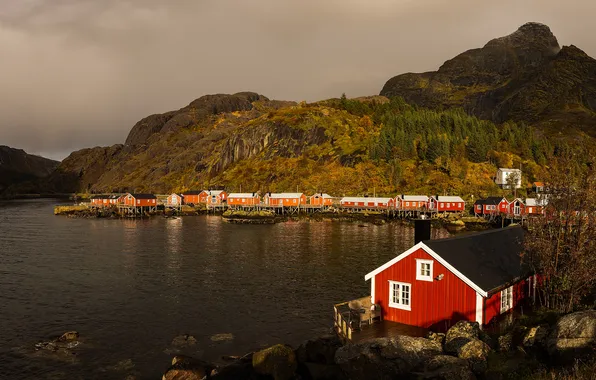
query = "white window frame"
{"x": 509, "y": 303}
{"x": 400, "y": 300}
{"x": 419, "y": 275}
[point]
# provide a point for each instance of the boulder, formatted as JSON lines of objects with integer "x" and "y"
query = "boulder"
{"x": 278, "y": 361}
{"x": 512, "y": 339}
{"x": 69, "y": 336}
{"x": 240, "y": 369}
{"x": 385, "y": 358}
{"x": 460, "y": 334}
{"x": 321, "y": 350}
{"x": 573, "y": 336}
{"x": 184, "y": 340}
{"x": 446, "y": 367}
{"x": 476, "y": 353}
{"x": 437, "y": 337}
{"x": 535, "y": 337}
{"x": 506, "y": 342}
{"x": 187, "y": 368}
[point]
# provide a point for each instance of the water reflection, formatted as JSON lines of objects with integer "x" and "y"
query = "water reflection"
{"x": 132, "y": 285}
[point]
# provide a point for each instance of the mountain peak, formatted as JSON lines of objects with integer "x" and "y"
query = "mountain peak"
{"x": 524, "y": 76}
{"x": 531, "y": 35}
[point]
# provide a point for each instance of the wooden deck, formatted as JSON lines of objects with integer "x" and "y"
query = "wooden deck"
{"x": 386, "y": 329}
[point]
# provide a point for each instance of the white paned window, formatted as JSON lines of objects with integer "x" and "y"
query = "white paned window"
{"x": 506, "y": 299}
{"x": 424, "y": 270}
{"x": 399, "y": 295}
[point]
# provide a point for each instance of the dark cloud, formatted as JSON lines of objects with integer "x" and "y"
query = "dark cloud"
{"x": 80, "y": 73}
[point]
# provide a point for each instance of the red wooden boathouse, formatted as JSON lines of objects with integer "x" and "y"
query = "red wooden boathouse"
{"x": 140, "y": 200}
{"x": 367, "y": 202}
{"x": 244, "y": 199}
{"x": 517, "y": 207}
{"x": 321, "y": 199}
{"x": 175, "y": 199}
{"x": 191, "y": 197}
{"x": 447, "y": 204}
{"x": 491, "y": 206}
{"x": 411, "y": 202}
{"x": 439, "y": 282}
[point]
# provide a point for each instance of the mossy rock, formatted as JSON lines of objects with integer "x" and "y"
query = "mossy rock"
{"x": 278, "y": 361}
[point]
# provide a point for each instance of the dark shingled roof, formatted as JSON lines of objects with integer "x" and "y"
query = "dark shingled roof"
{"x": 490, "y": 259}
{"x": 192, "y": 192}
{"x": 144, "y": 196}
{"x": 489, "y": 201}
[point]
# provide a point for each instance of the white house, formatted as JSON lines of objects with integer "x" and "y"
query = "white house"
{"x": 504, "y": 173}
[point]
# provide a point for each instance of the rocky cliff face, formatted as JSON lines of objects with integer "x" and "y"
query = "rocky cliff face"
{"x": 193, "y": 114}
{"x": 525, "y": 76}
{"x": 16, "y": 166}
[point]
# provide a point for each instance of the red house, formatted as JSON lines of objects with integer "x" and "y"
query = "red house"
{"x": 100, "y": 200}
{"x": 367, "y": 202}
{"x": 447, "y": 204}
{"x": 191, "y": 197}
{"x": 140, "y": 200}
{"x": 213, "y": 197}
{"x": 284, "y": 199}
{"x": 517, "y": 207}
{"x": 534, "y": 206}
{"x": 439, "y": 282}
{"x": 244, "y": 199}
{"x": 411, "y": 202}
{"x": 491, "y": 206}
{"x": 321, "y": 199}
{"x": 175, "y": 199}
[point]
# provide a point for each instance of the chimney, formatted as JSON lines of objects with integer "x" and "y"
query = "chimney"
{"x": 421, "y": 229}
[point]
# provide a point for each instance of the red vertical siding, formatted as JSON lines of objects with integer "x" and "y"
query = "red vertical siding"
{"x": 436, "y": 304}
{"x": 492, "y": 308}
{"x": 492, "y": 305}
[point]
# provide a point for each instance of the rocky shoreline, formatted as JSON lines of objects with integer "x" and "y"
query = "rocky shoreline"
{"x": 543, "y": 344}
{"x": 465, "y": 352}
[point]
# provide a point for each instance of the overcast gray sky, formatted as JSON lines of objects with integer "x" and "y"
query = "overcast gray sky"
{"x": 80, "y": 73}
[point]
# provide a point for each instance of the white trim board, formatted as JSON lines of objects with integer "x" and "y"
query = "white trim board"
{"x": 434, "y": 255}
{"x": 479, "y": 308}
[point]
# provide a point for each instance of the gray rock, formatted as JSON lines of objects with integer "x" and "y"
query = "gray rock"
{"x": 184, "y": 340}
{"x": 535, "y": 337}
{"x": 437, "y": 337}
{"x": 573, "y": 336}
{"x": 187, "y": 368}
{"x": 321, "y": 350}
{"x": 506, "y": 342}
{"x": 446, "y": 367}
{"x": 385, "y": 358}
{"x": 69, "y": 336}
{"x": 278, "y": 361}
{"x": 460, "y": 334}
{"x": 240, "y": 369}
{"x": 476, "y": 353}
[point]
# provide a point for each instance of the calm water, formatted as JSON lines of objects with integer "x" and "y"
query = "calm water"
{"x": 130, "y": 286}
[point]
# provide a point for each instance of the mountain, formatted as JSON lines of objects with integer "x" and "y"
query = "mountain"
{"x": 437, "y": 132}
{"x": 16, "y": 166}
{"x": 525, "y": 76}
{"x": 342, "y": 146}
